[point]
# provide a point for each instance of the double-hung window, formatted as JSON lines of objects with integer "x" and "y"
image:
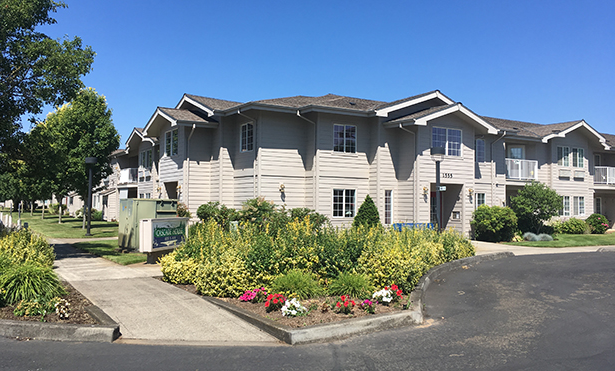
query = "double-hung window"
{"x": 145, "y": 160}
{"x": 247, "y": 137}
{"x": 563, "y": 155}
{"x": 565, "y": 211}
{"x": 577, "y": 157}
{"x": 480, "y": 150}
{"x": 480, "y": 199}
{"x": 345, "y": 138}
{"x": 343, "y": 203}
{"x": 579, "y": 205}
{"x": 450, "y": 139}
{"x": 171, "y": 142}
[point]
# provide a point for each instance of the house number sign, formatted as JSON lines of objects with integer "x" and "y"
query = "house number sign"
{"x": 447, "y": 175}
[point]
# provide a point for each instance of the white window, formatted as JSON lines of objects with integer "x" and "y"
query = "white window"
{"x": 563, "y": 156}
{"x": 145, "y": 159}
{"x": 388, "y": 207}
{"x": 450, "y": 139}
{"x": 343, "y": 203}
{"x": 598, "y": 205}
{"x": 345, "y": 138}
{"x": 480, "y": 199}
{"x": 171, "y": 142}
{"x": 566, "y": 206}
{"x": 516, "y": 152}
{"x": 247, "y": 137}
{"x": 480, "y": 150}
{"x": 579, "y": 205}
{"x": 577, "y": 157}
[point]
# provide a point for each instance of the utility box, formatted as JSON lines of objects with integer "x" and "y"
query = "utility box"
{"x": 132, "y": 210}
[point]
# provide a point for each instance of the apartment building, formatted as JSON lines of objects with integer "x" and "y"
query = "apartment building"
{"x": 328, "y": 152}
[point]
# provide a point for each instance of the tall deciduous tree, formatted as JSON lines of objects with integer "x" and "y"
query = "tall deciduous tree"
{"x": 535, "y": 204}
{"x": 34, "y": 69}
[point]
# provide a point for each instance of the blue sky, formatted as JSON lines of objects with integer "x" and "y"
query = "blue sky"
{"x": 536, "y": 61}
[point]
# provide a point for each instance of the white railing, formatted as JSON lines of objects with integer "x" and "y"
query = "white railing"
{"x": 521, "y": 169}
{"x": 604, "y": 175}
{"x": 129, "y": 175}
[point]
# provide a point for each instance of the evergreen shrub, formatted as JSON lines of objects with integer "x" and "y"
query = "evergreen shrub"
{"x": 571, "y": 226}
{"x": 368, "y": 214}
{"x": 494, "y": 223}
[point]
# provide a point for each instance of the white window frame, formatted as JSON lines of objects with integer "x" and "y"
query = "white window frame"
{"x": 447, "y": 147}
{"x": 171, "y": 142}
{"x": 348, "y": 209}
{"x": 345, "y": 130}
{"x": 480, "y": 150}
{"x": 563, "y": 156}
{"x": 246, "y": 137}
{"x": 578, "y": 158}
{"x": 578, "y": 203}
{"x": 145, "y": 159}
{"x": 478, "y": 199}
{"x": 511, "y": 147}
{"x": 388, "y": 207}
{"x": 565, "y": 206}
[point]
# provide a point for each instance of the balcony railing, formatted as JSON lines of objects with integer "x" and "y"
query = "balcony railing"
{"x": 604, "y": 175}
{"x": 521, "y": 169}
{"x": 129, "y": 175}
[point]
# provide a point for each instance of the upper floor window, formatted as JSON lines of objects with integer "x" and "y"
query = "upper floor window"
{"x": 480, "y": 150}
{"x": 145, "y": 159}
{"x": 450, "y": 139}
{"x": 516, "y": 151}
{"x": 343, "y": 203}
{"x": 345, "y": 138}
{"x": 171, "y": 142}
{"x": 563, "y": 155}
{"x": 247, "y": 137}
{"x": 577, "y": 157}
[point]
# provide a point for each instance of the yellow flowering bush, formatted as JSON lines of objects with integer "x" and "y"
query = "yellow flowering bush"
{"x": 178, "y": 271}
{"x": 23, "y": 246}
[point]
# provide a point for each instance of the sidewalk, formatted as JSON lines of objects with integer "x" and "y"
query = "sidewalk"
{"x": 148, "y": 309}
{"x": 489, "y": 247}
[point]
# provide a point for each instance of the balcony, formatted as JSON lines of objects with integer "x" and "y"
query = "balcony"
{"x": 129, "y": 175}
{"x": 604, "y": 175}
{"x": 521, "y": 169}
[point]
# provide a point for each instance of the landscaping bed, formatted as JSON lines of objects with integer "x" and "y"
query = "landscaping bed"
{"x": 315, "y": 315}
{"x": 78, "y": 314}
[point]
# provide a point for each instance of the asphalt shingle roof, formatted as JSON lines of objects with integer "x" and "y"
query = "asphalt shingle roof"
{"x": 183, "y": 115}
{"x": 329, "y": 100}
{"x": 422, "y": 113}
{"x": 213, "y": 103}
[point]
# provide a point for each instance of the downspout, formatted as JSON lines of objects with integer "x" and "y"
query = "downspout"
{"x": 314, "y": 165}
{"x": 415, "y": 202}
{"x": 254, "y": 162}
{"x": 187, "y": 176}
{"x": 493, "y": 166}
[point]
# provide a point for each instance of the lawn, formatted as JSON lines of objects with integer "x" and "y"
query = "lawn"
{"x": 572, "y": 240}
{"x": 108, "y": 249}
{"x": 70, "y": 227}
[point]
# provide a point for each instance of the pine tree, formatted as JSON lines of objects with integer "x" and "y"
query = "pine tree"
{"x": 368, "y": 214}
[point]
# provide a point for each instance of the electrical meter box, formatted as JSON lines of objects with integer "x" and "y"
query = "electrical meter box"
{"x": 133, "y": 210}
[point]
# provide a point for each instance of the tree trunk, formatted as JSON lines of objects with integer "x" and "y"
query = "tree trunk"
{"x": 60, "y": 212}
{"x": 43, "y": 213}
{"x": 32, "y": 208}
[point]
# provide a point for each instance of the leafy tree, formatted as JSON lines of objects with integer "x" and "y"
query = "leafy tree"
{"x": 494, "y": 223}
{"x": 535, "y": 204}
{"x": 34, "y": 69}
{"x": 367, "y": 214}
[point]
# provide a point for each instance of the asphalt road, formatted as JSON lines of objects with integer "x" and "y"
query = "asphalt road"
{"x": 540, "y": 312}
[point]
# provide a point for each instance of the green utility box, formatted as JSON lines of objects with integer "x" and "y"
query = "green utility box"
{"x": 132, "y": 210}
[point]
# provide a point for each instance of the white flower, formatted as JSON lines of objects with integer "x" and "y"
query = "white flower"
{"x": 292, "y": 308}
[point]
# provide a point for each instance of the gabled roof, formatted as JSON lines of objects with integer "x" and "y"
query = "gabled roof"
{"x": 422, "y": 117}
{"x": 175, "y": 117}
{"x": 209, "y": 105}
{"x": 329, "y": 101}
{"x": 385, "y": 109}
{"x": 560, "y": 131}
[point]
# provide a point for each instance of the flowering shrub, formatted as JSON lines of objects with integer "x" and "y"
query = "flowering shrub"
{"x": 368, "y": 306}
{"x": 274, "y": 302}
{"x": 597, "y": 223}
{"x": 62, "y": 307}
{"x": 388, "y": 295}
{"x": 254, "y": 296}
{"x": 292, "y": 308}
{"x": 344, "y": 305}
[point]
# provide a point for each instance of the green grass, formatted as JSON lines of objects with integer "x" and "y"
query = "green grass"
{"x": 572, "y": 240}
{"x": 69, "y": 228}
{"x": 109, "y": 250}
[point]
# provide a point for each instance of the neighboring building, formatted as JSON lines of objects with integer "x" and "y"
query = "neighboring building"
{"x": 327, "y": 153}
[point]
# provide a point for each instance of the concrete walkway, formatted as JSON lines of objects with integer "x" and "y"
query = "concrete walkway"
{"x": 488, "y": 248}
{"x": 148, "y": 309}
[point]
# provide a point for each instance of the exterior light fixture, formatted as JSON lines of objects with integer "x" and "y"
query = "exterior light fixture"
{"x": 282, "y": 188}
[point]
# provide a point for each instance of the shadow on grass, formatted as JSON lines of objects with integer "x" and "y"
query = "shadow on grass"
{"x": 109, "y": 250}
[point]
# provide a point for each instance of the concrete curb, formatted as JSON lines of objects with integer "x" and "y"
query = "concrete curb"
{"x": 106, "y": 332}
{"x": 349, "y": 327}
{"x": 606, "y": 249}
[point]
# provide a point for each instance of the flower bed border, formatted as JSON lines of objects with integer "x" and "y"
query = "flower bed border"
{"x": 349, "y": 327}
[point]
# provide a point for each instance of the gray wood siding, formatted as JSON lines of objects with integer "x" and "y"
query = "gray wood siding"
{"x": 199, "y": 171}
{"x": 171, "y": 167}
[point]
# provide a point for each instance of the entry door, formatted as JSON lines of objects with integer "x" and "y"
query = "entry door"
{"x": 432, "y": 212}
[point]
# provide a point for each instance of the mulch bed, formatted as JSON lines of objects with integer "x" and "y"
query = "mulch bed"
{"x": 78, "y": 315}
{"x": 314, "y": 317}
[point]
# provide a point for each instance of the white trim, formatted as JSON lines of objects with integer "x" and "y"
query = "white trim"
{"x": 354, "y": 204}
{"x": 582, "y": 123}
{"x": 241, "y": 150}
{"x": 446, "y": 148}
{"x": 356, "y": 139}
{"x": 185, "y": 98}
{"x": 436, "y": 94}
{"x": 422, "y": 121}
